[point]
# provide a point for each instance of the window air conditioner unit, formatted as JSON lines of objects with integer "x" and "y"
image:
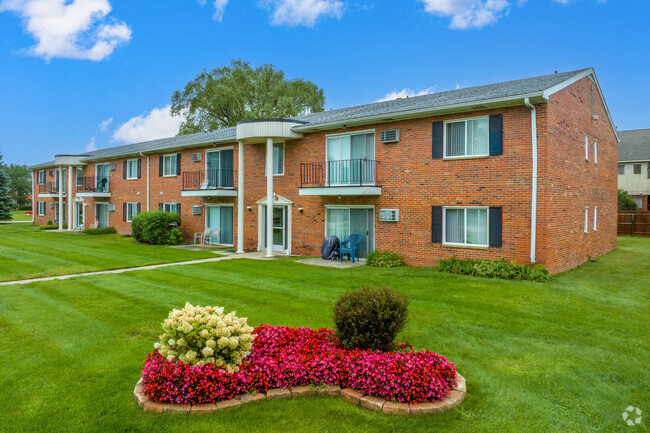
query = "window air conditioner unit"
{"x": 390, "y": 136}
{"x": 111, "y": 208}
{"x": 389, "y": 215}
{"x": 196, "y": 210}
{"x": 111, "y": 167}
{"x": 196, "y": 157}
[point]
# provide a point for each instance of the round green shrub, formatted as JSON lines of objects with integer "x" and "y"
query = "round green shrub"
{"x": 370, "y": 318}
{"x": 157, "y": 228}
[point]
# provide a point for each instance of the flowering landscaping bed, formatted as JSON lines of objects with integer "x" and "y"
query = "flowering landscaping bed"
{"x": 283, "y": 362}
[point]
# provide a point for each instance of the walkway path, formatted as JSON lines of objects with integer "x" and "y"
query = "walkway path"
{"x": 257, "y": 255}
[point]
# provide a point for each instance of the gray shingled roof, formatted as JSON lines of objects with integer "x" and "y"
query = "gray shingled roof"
{"x": 467, "y": 95}
{"x": 634, "y": 145}
{"x": 451, "y": 97}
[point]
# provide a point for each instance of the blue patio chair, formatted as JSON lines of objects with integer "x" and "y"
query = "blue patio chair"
{"x": 350, "y": 246}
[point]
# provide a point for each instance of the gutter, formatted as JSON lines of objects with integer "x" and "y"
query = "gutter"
{"x": 147, "y": 156}
{"x": 533, "y": 207}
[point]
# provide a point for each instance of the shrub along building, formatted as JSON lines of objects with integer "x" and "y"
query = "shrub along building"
{"x": 524, "y": 169}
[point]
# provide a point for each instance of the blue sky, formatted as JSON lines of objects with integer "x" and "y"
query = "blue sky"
{"x": 99, "y": 73}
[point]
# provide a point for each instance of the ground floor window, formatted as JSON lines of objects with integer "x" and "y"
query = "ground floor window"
{"x": 171, "y": 207}
{"x": 219, "y": 219}
{"x": 465, "y": 226}
{"x": 342, "y": 221}
{"x": 131, "y": 210}
{"x": 40, "y": 208}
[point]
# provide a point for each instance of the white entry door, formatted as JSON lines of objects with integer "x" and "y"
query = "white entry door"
{"x": 279, "y": 228}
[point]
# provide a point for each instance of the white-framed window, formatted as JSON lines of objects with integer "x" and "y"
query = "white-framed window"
{"x": 40, "y": 177}
{"x": 467, "y": 137}
{"x": 595, "y": 151}
{"x": 172, "y": 207}
{"x": 621, "y": 169}
{"x": 586, "y": 147}
{"x": 132, "y": 169}
{"x": 350, "y": 158}
{"x": 637, "y": 169}
{"x": 586, "y": 219}
{"x": 40, "y": 208}
{"x": 170, "y": 165}
{"x": 638, "y": 202}
{"x": 131, "y": 211}
{"x": 465, "y": 226}
{"x": 80, "y": 176}
{"x": 595, "y": 218}
{"x": 278, "y": 159}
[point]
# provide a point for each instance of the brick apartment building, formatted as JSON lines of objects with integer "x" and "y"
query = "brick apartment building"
{"x": 524, "y": 169}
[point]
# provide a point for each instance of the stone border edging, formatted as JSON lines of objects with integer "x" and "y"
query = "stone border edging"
{"x": 453, "y": 399}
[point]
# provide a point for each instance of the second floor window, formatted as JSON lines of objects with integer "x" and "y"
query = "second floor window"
{"x": 470, "y": 137}
{"x": 132, "y": 169}
{"x": 169, "y": 165}
{"x": 40, "y": 177}
{"x": 80, "y": 176}
{"x": 621, "y": 169}
{"x": 637, "y": 168}
{"x": 278, "y": 158}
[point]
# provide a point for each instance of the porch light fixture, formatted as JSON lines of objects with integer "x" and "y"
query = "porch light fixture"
{"x": 300, "y": 209}
{"x": 249, "y": 208}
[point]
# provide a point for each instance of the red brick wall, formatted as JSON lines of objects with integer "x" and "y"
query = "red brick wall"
{"x": 412, "y": 181}
{"x": 569, "y": 183}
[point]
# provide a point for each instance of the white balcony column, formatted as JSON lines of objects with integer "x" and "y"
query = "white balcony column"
{"x": 70, "y": 218}
{"x": 269, "y": 197}
{"x": 60, "y": 188}
{"x": 240, "y": 199}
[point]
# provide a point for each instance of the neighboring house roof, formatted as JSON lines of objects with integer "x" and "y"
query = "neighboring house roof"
{"x": 634, "y": 145}
{"x": 471, "y": 97}
{"x": 42, "y": 165}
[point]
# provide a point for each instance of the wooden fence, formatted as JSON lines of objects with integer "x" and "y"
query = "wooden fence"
{"x": 634, "y": 223}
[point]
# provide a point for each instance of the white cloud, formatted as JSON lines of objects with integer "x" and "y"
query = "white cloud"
{"x": 219, "y": 8}
{"x": 158, "y": 123}
{"x": 78, "y": 29}
{"x": 467, "y": 14}
{"x": 103, "y": 127}
{"x": 405, "y": 93}
{"x": 301, "y": 12}
{"x": 91, "y": 145}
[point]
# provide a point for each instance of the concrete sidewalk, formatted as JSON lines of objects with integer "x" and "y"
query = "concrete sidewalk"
{"x": 256, "y": 255}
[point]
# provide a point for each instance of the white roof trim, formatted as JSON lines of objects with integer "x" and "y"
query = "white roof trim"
{"x": 592, "y": 75}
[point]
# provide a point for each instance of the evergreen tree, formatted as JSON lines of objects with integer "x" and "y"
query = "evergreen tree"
{"x": 6, "y": 202}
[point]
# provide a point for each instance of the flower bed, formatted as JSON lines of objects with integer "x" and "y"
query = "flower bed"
{"x": 283, "y": 357}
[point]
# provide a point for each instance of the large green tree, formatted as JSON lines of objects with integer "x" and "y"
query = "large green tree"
{"x": 6, "y": 202}
{"x": 20, "y": 182}
{"x": 225, "y": 96}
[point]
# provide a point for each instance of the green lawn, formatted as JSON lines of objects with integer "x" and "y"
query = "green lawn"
{"x": 19, "y": 215}
{"x": 26, "y": 252}
{"x": 566, "y": 356}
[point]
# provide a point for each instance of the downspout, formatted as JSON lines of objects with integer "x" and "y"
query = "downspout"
{"x": 147, "y": 156}
{"x": 533, "y": 207}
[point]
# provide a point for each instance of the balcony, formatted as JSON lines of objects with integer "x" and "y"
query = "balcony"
{"x": 49, "y": 189}
{"x": 343, "y": 177}
{"x": 208, "y": 183}
{"x": 93, "y": 186}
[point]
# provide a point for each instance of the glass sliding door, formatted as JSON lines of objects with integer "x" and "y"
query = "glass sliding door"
{"x": 221, "y": 217}
{"x": 350, "y": 159}
{"x": 101, "y": 215}
{"x": 212, "y": 170}
{"x": 56, "y": 212}
{"x": 219, "y": 168}
{"x": 341, "y": 222}
{"x": 101, "y": 178}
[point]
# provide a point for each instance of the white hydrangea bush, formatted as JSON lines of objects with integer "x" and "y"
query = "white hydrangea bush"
{"x": 204, "y": 335}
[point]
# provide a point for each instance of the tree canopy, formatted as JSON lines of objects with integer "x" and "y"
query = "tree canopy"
{"x": 6, "y": 202}
{"x": 20, "y": 183}
{"x": 224, "y": 96}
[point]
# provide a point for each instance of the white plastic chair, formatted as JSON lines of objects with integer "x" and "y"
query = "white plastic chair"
{"x": 201, "y": 236}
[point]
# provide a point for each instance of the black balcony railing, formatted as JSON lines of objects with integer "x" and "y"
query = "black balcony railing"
{"x": 49, "y": 188}
{"x": 93, "y": 184}
{"x": 207, "y": 179}
{"x": 348, "y": 172}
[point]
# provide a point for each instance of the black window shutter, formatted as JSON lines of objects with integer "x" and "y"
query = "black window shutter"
{"x": 436, "y": 224}
{"x": 437, "y": 138}
{"x": 178, "y": 208}
{"x": 495, "y": 226}
{"x": 496, "y": 134}
{"x": 124, "y": 170}
{"x": 160, "y": 206}
{"x": 178, "y": 164}
{"x": 139, "y": 168}
{"x": 139, "y": 207}
{"x": 160, "y": 166}
{"x": 124, "y": 211}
